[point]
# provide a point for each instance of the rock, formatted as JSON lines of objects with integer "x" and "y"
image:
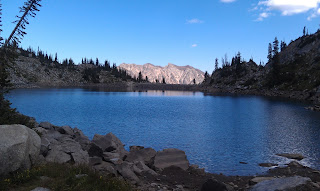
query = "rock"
{"x": 107, "y": 156}
{"x": 292, "y": 156}
{"x": 243, "y": 162}
{"x": 279, "y": 184}
{"x": 139, "y": 168}
{"x": 95, "y": 161}
{"x": 125, "y": 169}
{"x": 46, "y": 125}
{"x": 41, "y": 189}
{"x": 267, "y": 164}
{"x": 65, "y": 130}
{"x": 145, "y": 155}
{"x": 67, "y": 150}
{"x": 40, "y": 130}
{"x": 134, "y": 148}
{"x": 106, "y": 168}
{"x": 19, "y": 148}
{"x": 171, "y": 157}
{"x": 259, "y": 179}
{"x": 82, "y": 139}
{"x": 213, "y": 185}
{"x": 295, "y": 164}
{"x": 45, "y": 143}
{"x": 109, "y": 143}
{"x": 95, "y": 150}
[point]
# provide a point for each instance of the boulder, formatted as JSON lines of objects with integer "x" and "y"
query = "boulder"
{"x": 108, "y": 156}
{"x": 110, "y": 143}
{"x": 19, "y": 148}
{"x": 126, "y": 171}
{"x": 267, "y": 164}
{"x": 40, "y": 130}
{"x": 295, "y": 164}
{"x": 94, "y": 161}
{"x": 211, "y": 185}
{"x": 171, "y": 157}
{"x": 256, "y": 180}
{"x": 139, "y": 168}
{"x": 281, "y": 184}
{"x": 146, "y": 155}
{"x": 291, "y": 156}
{"x": 67, "y": 150}
{"x": 106, "y": 167}
{"x": 82, "y": 139}
{"x": 46, "y": 125}
{"x": 133, "y": 148}
{"x": 65, "y": 130}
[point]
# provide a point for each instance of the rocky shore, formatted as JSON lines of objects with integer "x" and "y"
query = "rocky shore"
{"x": 144, "y": 168}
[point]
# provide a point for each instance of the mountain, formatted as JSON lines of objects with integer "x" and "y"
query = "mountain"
{"x": 293, "y": 72}
{"x": 171, "y": 73}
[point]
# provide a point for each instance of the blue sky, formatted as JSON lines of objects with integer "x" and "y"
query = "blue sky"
{"x": 181, "y": 32}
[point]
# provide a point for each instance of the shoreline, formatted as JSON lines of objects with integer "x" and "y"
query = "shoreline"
{"x": 146, "y": 169}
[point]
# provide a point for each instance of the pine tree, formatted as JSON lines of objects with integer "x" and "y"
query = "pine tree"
{"x": 163, "y": 80}
{"x": 97, "y": 62}
{"x": 275, "y": 46}
{"x": 216, "y": 65}
{"x": 140, "y": 77}
{"x": 269, "y": 52}
{"x": 56, "y": 58}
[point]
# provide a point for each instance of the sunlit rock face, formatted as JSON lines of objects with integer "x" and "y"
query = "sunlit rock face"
{"x": 171, "y": 73}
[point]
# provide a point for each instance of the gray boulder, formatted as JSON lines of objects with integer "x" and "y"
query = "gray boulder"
{"x": 65, "y": 130}
{"x": 139, "y": 168}
{"x": 171, "y": 157}
{"x": 95, "y": 161}
{"x": 110, "y": 143}
{"x": 281, "y": 184}
{"x": 19, "y": 148}
{"x": 106, "y": 167}
{"x": 67, "y": 150}
{"x": 126, "y": 171}
{"x": 145, "y": 155}
{"x": 82, "y": 139}
{"x": 46, "y": 125}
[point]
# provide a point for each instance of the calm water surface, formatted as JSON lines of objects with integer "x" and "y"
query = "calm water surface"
{"x": 216, "y": 132}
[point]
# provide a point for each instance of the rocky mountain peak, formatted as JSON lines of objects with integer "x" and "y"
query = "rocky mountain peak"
{"x": 172, "y": 74}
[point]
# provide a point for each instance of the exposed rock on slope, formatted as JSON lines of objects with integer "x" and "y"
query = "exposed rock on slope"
{"x": 173, "y": 74}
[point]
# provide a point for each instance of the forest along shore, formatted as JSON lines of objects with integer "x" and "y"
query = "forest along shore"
{"x": 143, "y": 168}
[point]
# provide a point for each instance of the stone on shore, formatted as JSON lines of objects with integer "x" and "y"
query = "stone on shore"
{"x": 256, "y": 180}
{"x": 291, "y": 156}
{"x": 109, "y": 143}
{"x": 213, "y": 185}
{"x": 267, "y": 164}
{"x": 171, "y": 157}
{"x": 46, "y": 125}
{"x": 281, "y": 184}
{"x": 19, "y": 148}
{"x": 146, "y": 155}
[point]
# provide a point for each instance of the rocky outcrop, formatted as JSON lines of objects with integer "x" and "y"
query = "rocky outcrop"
{"x": 171, "y": 157}
{"x": 171, "y": 73}
{"x": 291, "y": 156}
{"x": 281, "y": 184}
{"x": 19, "y": 148}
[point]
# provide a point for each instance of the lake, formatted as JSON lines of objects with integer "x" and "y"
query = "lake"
{"x": 216, "y": 132}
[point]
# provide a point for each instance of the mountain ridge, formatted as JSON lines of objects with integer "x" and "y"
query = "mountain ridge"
{"x": 172, "y": 73}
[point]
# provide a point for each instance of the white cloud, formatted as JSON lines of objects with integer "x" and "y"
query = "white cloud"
{"x": 289, "y": 7}
{"x": 194, "y": 21}
{"x": 263, "y": 16}
{"x": 227, "y": 1}
{"x": 194, "y": 45}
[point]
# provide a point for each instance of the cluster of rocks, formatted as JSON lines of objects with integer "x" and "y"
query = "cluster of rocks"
{"x": 169, "y": 169}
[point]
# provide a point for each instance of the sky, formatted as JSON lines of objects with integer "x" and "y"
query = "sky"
{"x": 181, "y": 32}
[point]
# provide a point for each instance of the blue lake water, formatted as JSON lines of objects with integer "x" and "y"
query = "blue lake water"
{"x": 216, "y": 132}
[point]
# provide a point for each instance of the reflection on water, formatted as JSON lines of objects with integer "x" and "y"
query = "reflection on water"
{"x": 216, "y": 132}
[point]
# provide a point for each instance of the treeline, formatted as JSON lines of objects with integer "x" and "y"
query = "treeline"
{"x": 90, "y": 74}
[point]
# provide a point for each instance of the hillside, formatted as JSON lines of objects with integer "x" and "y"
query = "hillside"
{"x": 35, "y": 71}
{"x": 171, "y": 73}
{"x": 294, "y": 72}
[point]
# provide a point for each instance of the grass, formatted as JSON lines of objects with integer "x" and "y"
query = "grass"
{"x": 61, "y": 177}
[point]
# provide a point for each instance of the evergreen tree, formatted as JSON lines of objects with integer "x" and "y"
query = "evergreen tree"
{"x": 283, "y": 45}
{"x": 304, "y": 31}
{"x": 56, "y": 58}
{"x": 140, "y": 77}
{"x": 97, "y": 62}
{"x": 194, "y": 81}
{"x": 216, "y": 65}
{"x": 71, "y": 63}
{"x": 269, "y": 52}
{"x": 163, "y": 80}
{"x": 275, "y": 46}
{"x": 147, "y": 80}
